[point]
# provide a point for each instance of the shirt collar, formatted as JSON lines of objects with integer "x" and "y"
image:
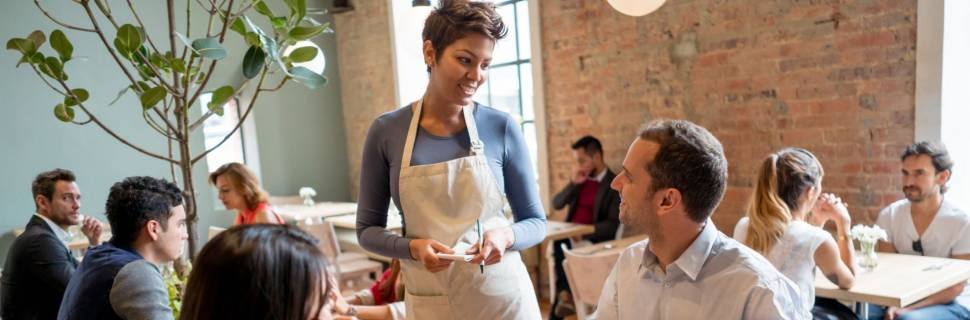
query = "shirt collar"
{"x": 599, "y": 177}
{"x": 693, "y": 259}
{"x": 61, "y": 234}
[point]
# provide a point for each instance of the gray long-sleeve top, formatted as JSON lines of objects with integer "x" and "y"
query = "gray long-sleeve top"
{"x": 507, "y": 157}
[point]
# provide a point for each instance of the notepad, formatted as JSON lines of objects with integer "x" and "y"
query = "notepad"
{"x": 455, "y": 257}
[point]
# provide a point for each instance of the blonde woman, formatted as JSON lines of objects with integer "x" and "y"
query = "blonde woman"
{"x": 239, "y": 190}
{"x": 784, "y": 222}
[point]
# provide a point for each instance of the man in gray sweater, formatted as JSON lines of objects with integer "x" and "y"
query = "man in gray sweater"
{"x": 121, "y": 279}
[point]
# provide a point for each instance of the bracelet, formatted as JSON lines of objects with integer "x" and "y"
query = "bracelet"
{"x": 351, "y": 311}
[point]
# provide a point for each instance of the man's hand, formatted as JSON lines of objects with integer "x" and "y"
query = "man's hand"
{"x": 92, "y": 229}
{"x": 579, "y": 176}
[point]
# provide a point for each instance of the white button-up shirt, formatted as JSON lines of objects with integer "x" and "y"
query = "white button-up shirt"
{"x": 715, "y": 278}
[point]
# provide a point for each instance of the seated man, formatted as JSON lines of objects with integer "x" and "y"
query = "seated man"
{"x": 121, "y": 279}
{"x": 40, "y": 264}
{"x": 927, "y": 224}
{"x": 673, "y": 178}
{"x": 590, "y": 201}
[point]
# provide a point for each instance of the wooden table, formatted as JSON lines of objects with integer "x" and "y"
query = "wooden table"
{"x": 898, "y": 280}
{"x": 609, "y": 246}
{"x": 319, "y": 211}
{"x": 557, "y": 230}
{"x": 78, "y": 241}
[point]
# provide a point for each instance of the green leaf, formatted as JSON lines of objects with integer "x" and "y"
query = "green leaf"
{"x": 35, "y": 58}
{"x": 24, "y": 46}
{"x": 270, "y": 45}
{"x": 120, "y": 94}
{"x": 178, "y": 65}
{"x": 303, "y": 54}
{"x": 53, "y": 68}
{"x": 60, "y": 44}
{"x": 308, "y": 78}
{"x": 143, "y": 86}
{"x": 297, "y": 9}
{"x": 252, "y": 39}
{"x": 124, "y": 51}
{"x": 263, "y": 9}
{"x": 38, "y": 38}
{"x": 278, "y": 22}
{"x": 64, "y": 113}
{"x": 219, "y": 98}
{"x": 184, "y": 40}
{"x": 129, "y": 38}
{"x": 151, "y": 97}
{"x": 81, "y": 94}
{"x": 253, "y": 62}
{"x": 209, "y": 48}
{"x": 304, "y": 33}
{"x": 238, "y": 26}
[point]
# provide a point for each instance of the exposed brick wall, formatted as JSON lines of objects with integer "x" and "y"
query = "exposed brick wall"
{"x": 366, "y": 75}
{"x": 835, "y": 77}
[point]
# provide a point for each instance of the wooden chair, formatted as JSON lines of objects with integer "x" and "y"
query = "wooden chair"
{"x": 350, "y": 265}
{"x": 586, "y": 275}
{"x": 213, "y": 231}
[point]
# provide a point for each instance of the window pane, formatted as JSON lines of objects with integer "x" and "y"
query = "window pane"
{"x": 528, "y": 113}
{"x": 504, "y": 82}
{"x": 522, "y": 12}
{"x": 481, "y": 96}
{"x": 505, "y": 49}
{"x": 529, "y": 133}
{"x": 216, "y": 128}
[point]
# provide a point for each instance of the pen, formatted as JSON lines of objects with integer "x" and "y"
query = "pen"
{"x": 481, "y": 265}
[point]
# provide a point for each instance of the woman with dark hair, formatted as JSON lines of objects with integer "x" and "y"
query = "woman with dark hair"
{"x": 784, "y": 223}
{"x": 259, "y": 272}
{"x": 239, "y": 189}
{"x": 448, "y": 163}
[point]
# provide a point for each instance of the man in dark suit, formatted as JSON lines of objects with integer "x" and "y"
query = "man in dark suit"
{"x": 39, "y": 264}
{"x": 591, "y": 201}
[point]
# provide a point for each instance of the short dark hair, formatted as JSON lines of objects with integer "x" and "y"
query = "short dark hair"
{"x": 937, "y": 153}
{"x": 455, "y": 19}
{"x": 257, "y": 271}
{"x": 589, "y": 144}
{"x": 690, "y": 160}
{"x": 135, "y": 201}
{"x": 44, "y": 183}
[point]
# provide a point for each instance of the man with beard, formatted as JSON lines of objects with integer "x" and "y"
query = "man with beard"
{"x": 674, "y": 175}
{"x": 925, "y": 223}
{"x": 39, "y": 264}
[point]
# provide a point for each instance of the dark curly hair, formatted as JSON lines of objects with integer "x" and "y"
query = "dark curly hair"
{"x": 937, "y": 153}
{"x": 44, "y": 183}
{"x": 455, "y": 19}
{"x": 137, "y": 200}
{"x": 260, "y": 271}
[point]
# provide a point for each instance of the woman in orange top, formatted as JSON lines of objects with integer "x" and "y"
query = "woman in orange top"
{"x": 239, "y": 190}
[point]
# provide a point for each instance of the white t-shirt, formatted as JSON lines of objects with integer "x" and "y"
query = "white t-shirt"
{"x": 947, "y": 235}
{"x": 793, "y": 255}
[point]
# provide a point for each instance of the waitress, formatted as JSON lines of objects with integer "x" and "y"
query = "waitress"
{"x": 448, "y": 163}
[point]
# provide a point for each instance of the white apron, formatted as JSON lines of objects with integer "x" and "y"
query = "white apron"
{"x": 442, "y": 201}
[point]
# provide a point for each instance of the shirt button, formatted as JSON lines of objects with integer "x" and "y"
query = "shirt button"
{"x": 666, "y": 284}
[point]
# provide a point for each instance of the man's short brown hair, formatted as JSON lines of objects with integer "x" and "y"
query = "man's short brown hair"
{"x": 691, "y": 160}
{"x": 44, "y": 183}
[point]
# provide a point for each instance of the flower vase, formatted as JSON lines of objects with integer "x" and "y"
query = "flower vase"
{"x": 868, "y": 259}
{"x": 308, "y": 201}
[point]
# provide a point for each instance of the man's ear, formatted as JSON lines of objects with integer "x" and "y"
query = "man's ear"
{"x": 42, "y": 202}
{"x": 942, "y": 177}
{"x": 670, "y": 199}
{"x": 153, "y": 229}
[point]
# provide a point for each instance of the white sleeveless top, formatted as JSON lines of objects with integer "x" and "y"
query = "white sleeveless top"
{"x": 794, "y": 254}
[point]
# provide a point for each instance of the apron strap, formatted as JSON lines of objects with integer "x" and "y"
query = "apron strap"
{"x": 477, "y": 146}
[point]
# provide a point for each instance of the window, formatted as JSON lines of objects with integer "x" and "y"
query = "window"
{"x": 510, "y": 85}
{"x": 240, "y": 147}
{"x": 942, "y": 73}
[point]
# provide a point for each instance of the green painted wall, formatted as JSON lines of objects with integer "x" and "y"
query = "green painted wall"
{"x": 299, "y": 131}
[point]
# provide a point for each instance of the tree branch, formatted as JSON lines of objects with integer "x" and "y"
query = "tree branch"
{"x": 109, "y": 131}
{"x": 49, "y": 16}
{"x": 154, "y": 124}
{"x": 201, "y": 120}
{"x": 239, "y": 124}
{"x": 107, "y": 45}
{"x": 278, "y": 86}
{"x": 142, "y": 25}
{"x": 32, "y": 66}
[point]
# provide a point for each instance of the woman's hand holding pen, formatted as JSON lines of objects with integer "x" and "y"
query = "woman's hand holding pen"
{"x": 426, "y": 250}
{"x": 495, "y": 242}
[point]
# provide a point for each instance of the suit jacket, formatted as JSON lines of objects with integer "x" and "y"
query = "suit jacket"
{"x": 36, "y": 274}
{"x": 606, "y": 208}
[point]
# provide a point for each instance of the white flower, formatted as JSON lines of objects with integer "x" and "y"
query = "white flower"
{"x": 307, "y": 192}
{"x": 867, "y": 233}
